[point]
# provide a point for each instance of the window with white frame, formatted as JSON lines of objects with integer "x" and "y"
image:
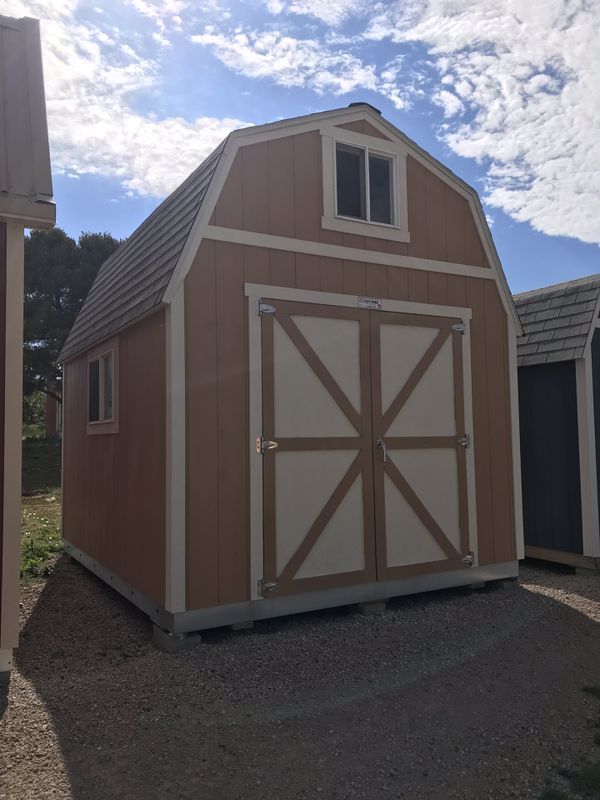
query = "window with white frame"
{"x": 364, "y": 182}
{"x": 102, "y": 385}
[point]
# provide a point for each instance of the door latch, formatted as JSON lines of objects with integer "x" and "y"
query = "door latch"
{"x": 459, "y": 327}
{"x": 264, "y": 444}
{"x": 465, "y": 440}
{"x": 383, "y": 447}
{"x": 468, "y": 559}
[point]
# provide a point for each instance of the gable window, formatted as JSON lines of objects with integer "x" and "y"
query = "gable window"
{"x": 102, "y": 405}
{"x": 364, "y": 185}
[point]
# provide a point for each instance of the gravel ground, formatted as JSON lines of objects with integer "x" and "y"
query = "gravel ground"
{"x": 447, "y": 695}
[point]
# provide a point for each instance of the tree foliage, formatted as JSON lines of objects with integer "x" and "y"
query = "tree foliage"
{"x": 58, "y": 275}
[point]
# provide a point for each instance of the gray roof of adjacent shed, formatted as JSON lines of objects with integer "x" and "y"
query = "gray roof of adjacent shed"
{"x": 134, "y": 279}
{"x": 557, "y": 320}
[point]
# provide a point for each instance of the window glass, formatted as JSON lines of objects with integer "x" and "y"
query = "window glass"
{"x": 94, "y": 391}
{"x": 108, "y": 386}
{"x": 350, "y": 166}
{"x": 380, "y": 189}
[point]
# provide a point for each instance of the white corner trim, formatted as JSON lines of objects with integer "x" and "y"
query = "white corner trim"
{"x": 11, "y": 511}
{"x": 587, "y": 457}
{"x": 308, "y": 247}
{"x": 175, "y": 539}
{"x": 515, "y": 441}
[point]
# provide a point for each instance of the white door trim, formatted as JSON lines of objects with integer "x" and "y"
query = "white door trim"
{"x": 254, "y": 292}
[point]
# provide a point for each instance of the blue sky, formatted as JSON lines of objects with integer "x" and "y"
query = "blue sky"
{"x": 504, "y": 92}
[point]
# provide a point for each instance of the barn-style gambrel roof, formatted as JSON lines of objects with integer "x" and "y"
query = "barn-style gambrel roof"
{"x": 557, "y": 320}
{"x": 141, "y": 274}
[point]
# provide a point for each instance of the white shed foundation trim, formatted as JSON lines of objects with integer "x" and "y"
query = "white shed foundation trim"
{"x": 252, "y": 610}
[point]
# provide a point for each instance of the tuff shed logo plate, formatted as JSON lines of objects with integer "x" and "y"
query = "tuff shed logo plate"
{"x": 372, "y": 303}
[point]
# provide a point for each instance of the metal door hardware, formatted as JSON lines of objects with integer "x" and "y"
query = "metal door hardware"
{"x": 264, "y": 587}
{"x": 383, "y": 447}
{"x": 264, "y": 444}
{"x": 468, "y": 559}
{"x": 465, "y": 440}
{"x": 459, "y": 327}
{"x": 265, "y": 308}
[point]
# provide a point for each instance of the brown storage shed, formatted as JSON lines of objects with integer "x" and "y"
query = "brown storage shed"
{"x": 559, "y": 399}
{"x": 294, "y": 386}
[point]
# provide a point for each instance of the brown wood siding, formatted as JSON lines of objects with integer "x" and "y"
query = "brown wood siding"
{"x": 3, "y": 268}
{"x": 114, "y": 484}
{"x": 364, "y": 127}
{"x": 217, "y": 401}
{"x": 276, "y": 188}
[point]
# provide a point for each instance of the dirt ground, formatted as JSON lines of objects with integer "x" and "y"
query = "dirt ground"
{"x": 448, "y": 695}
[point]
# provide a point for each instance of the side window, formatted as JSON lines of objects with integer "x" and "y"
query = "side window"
{"x": 102, "y": 383}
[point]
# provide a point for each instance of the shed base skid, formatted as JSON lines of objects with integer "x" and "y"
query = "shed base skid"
{"x": 253, "y": 610}
{"x": 588, "y": 563}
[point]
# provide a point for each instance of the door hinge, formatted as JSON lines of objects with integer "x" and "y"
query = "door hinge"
{"x": 459, "y": 327}
{"x": 265, "y": 308}
{"x": 468, "y": 559}
{"x": 465, "y": 440}
{"x": 264, "y": 587}
{"x": 264, "y": 444}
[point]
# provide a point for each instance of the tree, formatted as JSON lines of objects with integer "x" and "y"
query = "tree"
{"x": 58, "y": 275}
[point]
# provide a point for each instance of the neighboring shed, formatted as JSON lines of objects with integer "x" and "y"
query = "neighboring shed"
{"x": 294, "y": 386}
{"x": 25, "y": 201}
{"x": 559, "y": 398}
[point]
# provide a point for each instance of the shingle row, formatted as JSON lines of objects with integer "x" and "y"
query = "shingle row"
{"x": 556, "y": 320}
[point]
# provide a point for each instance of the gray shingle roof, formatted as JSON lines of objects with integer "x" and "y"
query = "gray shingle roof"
{"x": 134, "y": 279}
{"x": 556, "y": 320}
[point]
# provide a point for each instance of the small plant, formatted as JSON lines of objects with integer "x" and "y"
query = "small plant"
{"x": 40, "y": 534}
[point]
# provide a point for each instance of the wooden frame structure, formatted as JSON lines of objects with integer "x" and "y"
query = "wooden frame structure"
{"x": 273, "y": 356}
{"x": 25, "y": 201}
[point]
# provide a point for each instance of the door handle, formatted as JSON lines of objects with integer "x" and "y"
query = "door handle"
{"x": 383, "y": 447}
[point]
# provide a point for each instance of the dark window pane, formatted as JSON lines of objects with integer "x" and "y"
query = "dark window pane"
{"x": 350, "y": 165}
{"x": 94, "y": 391}
{"x": 380, "y": 189}
{"x": 108, "y": 386}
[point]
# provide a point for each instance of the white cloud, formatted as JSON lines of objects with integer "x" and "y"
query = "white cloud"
{"x": 449, "y": 102}
{"x": 288, "y": 61}
{"x": 91, "y": 75}
{"x": 332, "y": 12}
{"x": 525, "y": 76}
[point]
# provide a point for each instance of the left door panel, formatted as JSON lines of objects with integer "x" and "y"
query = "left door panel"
{"x": 317, "y": 481}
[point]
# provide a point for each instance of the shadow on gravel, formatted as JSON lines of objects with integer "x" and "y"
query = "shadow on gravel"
{"x": 451, "y": 695}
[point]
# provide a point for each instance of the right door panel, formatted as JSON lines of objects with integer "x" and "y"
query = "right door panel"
{"x": 420, "y": 474}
